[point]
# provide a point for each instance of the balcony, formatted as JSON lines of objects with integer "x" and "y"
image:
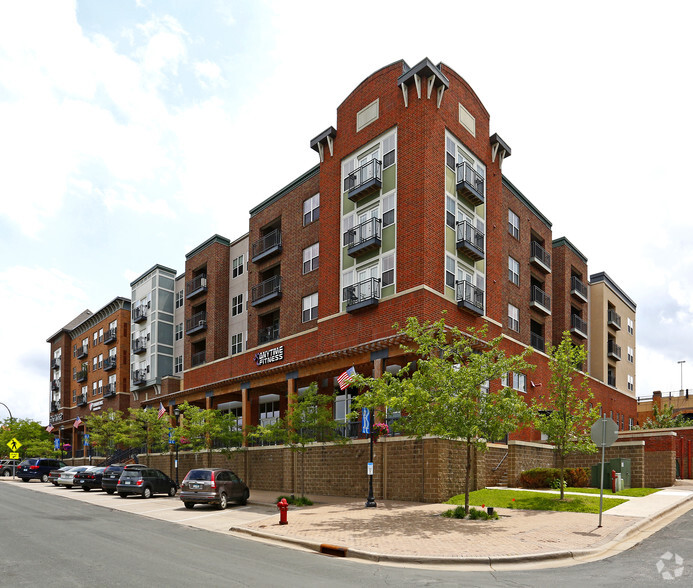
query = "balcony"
{"x": 55, "y": 385}
{"x": 81, "y": 375}
{"x": 139, "y": 345}
{"x": 196, "y": 286}
{"x": 110, "y": 335}
{"x": 611, "y": 378}
{"x": 82, "y": 351}
{"x": 613, "y": 350}
{"x": 613, "y": 319}
{"x": 197, "y": 358}
{"x": 139, "y": 314}
{"x": 266, "y": 291}
{"x": 578, "y": 326}
{"x": 470, "y": 183}
{"x": 268, "y": 245}
{"x": 55, "y": 405}
{"x": 139, "y": 377}
{"x": 268, "y": 334}
{"x": 364, "y": 237}
{"x": 110, "y": 363}
{"x": 578, "y": 289}
{"x": 55, "y": 363}
{"x": 537, "y": 341}
{"x": 470, "y": 240}
{"x": 109, "y": 390}
{"x": 196, "y": 324}
{"x": 469, "y": 297}
{"x": 540, "y": 300}
{"x": 362, "y": 295}
{"x": 81, "y": 400}
{"x": 540, "y": 257}
{"x": 364, "y": 180}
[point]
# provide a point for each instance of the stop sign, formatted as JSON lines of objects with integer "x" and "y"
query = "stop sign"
{"x": 604, "y": 432}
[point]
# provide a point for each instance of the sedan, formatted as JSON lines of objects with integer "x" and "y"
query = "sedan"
{"x": 212, "y": 486}
{"x": 55, "y": 474}
{"x": 67, "y": 478}
{"x": 89, "y": 479}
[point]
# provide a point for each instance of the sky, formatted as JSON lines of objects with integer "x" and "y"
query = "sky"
{"x": 132, "y": 131}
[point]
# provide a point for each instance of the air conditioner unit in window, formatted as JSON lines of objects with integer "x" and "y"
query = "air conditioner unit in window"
{"x": 203, "y": 282}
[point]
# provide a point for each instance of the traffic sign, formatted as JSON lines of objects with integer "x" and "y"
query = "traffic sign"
{"x": 13, "y": 444}
{"x": 604, "y": 432}
{"x": 14, "y": 455}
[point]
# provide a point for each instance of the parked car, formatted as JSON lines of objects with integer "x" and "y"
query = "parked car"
{"x": 89, "y": 479}
{"x": 37, "y": 468}
{"x": 145, "y": 482}
{"x": 55, "y": 474}
{"x": 8, "y": 467}
{"x": 67, "y": 478}
{"x": 111, "y": 475}
{"x": 212, "y": 486}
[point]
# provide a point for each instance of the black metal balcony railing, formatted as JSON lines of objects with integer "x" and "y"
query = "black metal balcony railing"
{"x": 470, "y": 240}
{"x": 110, "y": 335}
{"x": 364, "y": 180}
{"x": 470, "y": 183}
{"x": 110, "y": 362}
{"x": 578, "y": 288}
{"x": 613, "y": 350}
{"x": 270, "y": 289}
{"x": 109, "y": 390}
{"x": 139, "y": 344}
{"x": 613, "y": 319}
{"x": 55, "y": 385}
{"x": 267, "y": 245}
{"x": 139, "y": 377}
{"x": 540, "y": 299}
{"x": 578, "y": 326}
{"x": 537, "y": 341}
{"x": 267, "y": 334}
{"x": 196, "y": 286}
{"x": 139, "y": 314}
{"x": 81, "y": 399}
{"x": 55, "y": 405}
{"x": 469, "y": 297}
{"x": 197, "y": 358}
{"x": 197, "y": 323}
{"x": 81, "y": 375}
{"x": 611, "y": 379}
{"x": 364, "y": 237}
{"x": 55, "y": 363}
{"x": 82, "y": 351}
{"x": 540, "y": 257}
{"x": 363, "y": 294}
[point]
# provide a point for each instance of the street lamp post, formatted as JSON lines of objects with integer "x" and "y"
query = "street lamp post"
{"x": 681, "y": 362}
{"x": 176, "y": 411}
{"x": 8, "y": 410}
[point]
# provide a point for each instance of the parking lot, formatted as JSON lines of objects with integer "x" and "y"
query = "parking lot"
{"x": 162, "y": 507}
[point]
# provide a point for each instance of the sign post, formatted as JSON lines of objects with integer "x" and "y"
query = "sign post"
{"x": 604, "y": 432}
{"x": 14, "y": 446}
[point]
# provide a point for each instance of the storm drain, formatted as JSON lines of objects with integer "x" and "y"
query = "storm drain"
{"x": 333, "y": 550}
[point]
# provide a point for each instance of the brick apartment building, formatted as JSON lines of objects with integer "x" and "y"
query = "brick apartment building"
{"x": 407, "y": 213}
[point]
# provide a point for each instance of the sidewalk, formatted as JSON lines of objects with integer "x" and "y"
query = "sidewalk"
{"x": 413, "y": 532}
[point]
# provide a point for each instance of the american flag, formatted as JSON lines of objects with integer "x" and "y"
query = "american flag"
{"x": 78, "y": 422}
{"x": 346, "y": 378}
{"x": 162, "y": 410}
{"x": 50, "y": 428}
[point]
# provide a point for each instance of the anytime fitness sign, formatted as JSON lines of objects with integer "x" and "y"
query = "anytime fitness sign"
{"x": 269, "y": 356}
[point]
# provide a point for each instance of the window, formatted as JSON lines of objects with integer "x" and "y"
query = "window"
{"x": 630, "y": 424}
{"x": 74, "y": 396}
{"x": 513, "y": 224}
{"x": 269, "y": 412}
{"x": 388, "y": 276}
{"x": 236, "y": 343}
{"x": 237, "y": 268}
{"x": 101, "y": 335}
{"x": 237, "y": 305}
{"x": 630, "y": 354}
{"x": 450, "y": 153}
{"x": 94, "y": 364}
{"x": 310, "y": 308}
{"x": 388, "y": 210}
{"x": 178, "y": 364}
{"x": 450, "y": 269}
{"x": 311, "y": 258}
{"x": 85, "y": 391}
{"x": 179, "y": 298}
{"x": 179, "y": 331}
{"x": 513, "y": 318}
{"x": 631, "y": 383}
{"x": 367, "y": 115}
{"x": 96, "y": 338}
{"x": 311, "y": 209}
{"x": 630, "y": 326}
{"x": 100, "y": 360}
{"x": 94, "y": 388}
{"x": 514, "y": 271}
{"x": 389, "y": 150}
{"x": 450, "y": 212}
{"x": 519, "y": 381}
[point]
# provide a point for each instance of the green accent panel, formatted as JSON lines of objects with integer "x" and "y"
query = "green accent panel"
{"x": 389, "y": 242}
{"x": 368, "y": 256}
{"x": 450, "y": 240}
{"x": 343, "y": 306}
{"x": 481, "y": 211}
{"x": 449, "y": 180}
{"x": 389, "y": 179}
{"x": 387, "y": 291}
{"x": 450, "y": 293}
{"x": 347, "y": 205}
{"x": 372, "y": 198}
{"x": 347, "y": 260}
{"x": 481, "y": 266}
{"x": 466, "y": 205}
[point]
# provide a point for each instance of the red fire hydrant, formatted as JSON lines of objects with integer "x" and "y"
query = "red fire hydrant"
{"x": 613, "y": 481}
{"x": 283, "y": 507}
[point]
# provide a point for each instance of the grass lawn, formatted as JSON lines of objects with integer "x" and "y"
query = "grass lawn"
{"x": 535, "y": 501}
{"x": 636, "y": 492}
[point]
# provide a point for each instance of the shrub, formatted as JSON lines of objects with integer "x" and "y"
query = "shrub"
{"x": 577, "y": 477}
{"x": 474, "y": 514}
{"x": 550, "y": 478}
{"x": 296, "y": 500}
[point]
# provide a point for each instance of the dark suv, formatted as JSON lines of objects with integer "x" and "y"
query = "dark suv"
{"x": 37, "y": 468}
{"x": 111, "y": 475}
{"x": 212, "y": 486}
{"x": 145, "y": 482}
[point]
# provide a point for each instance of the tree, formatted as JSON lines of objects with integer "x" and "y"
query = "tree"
{"x": 663, "y": 418}
{"x": 449, "y": 394}
{"x": 146, "y": 428}
{"x": 199, "y": 428}
{"x": 35, "y": 440}
{"x": 564, "y": 415}
{"x": 308, "y": 421}
{"x": 107, "y": 430}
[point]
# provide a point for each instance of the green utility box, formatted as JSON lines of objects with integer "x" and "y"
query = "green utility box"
{"x": 620, "y": 465}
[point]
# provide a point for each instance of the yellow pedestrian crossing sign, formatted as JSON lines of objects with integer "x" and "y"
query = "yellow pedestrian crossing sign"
{"x": 14, "y": 455}
{"x": 13, "y": 444}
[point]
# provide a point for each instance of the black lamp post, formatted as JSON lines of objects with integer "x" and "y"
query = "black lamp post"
{"x": 371, "y": 500}
{"x": 176, "y": 411}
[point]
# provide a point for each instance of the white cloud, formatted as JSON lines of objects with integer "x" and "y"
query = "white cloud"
{"x": 208, "y": 73}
